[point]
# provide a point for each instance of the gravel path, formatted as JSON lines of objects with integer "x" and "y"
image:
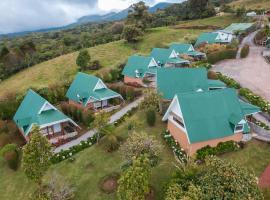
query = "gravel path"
{"x": 90, "y": 133}
{"x": 252, "y": 72}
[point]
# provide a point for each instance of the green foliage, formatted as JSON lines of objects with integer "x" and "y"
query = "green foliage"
{"x": 132, "y": 34}
{"x": 10, "y": 152}
{"x": 217, "y": 179}
{"x": 151, "y": 100}
{"x": 83, "y": 59}
{"x": 221, "y": 55}
{"x": 221, "y": 148}
{"x": 127, "y": 92}
{"x": 229, "y": 81}
{"x": 244, "y": 51}
{"x": 225, "y": 180}
{"x": 174, "y": 145}
{"x": 36, "y": 156}
{"x": 138, "y": 144}
{"x": 135, "y": 181}
{"x": 151, "y": 117}
{"x": 100, "y": 122}
{"x": 255, "y": 99}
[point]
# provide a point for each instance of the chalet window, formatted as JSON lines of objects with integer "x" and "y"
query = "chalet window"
{"x": 239, "y": 127}
{"x": 179, "y": 121}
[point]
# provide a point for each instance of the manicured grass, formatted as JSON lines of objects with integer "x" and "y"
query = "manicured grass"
{"x": 252, "y": 4}
{"x": 110, "y": 55}
{"x": 91, "y": 165}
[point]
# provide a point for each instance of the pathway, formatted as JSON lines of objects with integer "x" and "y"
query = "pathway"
{"x": 252, "y": 72}
{"x": 90, "y": 133}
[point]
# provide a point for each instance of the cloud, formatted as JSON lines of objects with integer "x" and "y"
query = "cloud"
{"x": 24, "y": 15}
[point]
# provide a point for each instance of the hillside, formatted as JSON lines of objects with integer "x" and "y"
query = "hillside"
{"x": 110, "y": 55}
{"x": 252, "y": 4}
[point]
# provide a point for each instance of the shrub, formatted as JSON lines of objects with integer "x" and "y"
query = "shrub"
{"x": 221, "y": 55}
{"x": 221, "y": 148}
{"x": 11, "y": 155}
{"x": 212, "y": 75}
{"x": 229, "y": 81}
{"x": 95, "y": 65}
{"x": 244, "y": 51}
{"x": 151, "y": 117}
{"x": 127, "y": 92}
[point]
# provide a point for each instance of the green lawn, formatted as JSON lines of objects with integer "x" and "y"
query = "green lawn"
{"x": 110, "y": 55}
{"x": 90, "y": 166}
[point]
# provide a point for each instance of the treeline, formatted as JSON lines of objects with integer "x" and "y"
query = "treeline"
{"x": 21, "y": 52}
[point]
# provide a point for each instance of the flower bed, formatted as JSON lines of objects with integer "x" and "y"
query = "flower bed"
{"x": 221, "y": 148}
{"x": 261, "y": 124}
{"x": 228, "y": 81}
{"x": 174, "y": 145}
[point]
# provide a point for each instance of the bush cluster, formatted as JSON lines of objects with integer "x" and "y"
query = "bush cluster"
{"x": 151, "y": 117}
{"x": 221, "y": 148}
{"x": 228, "y": 81}
{"x": 255, "y": 99}
{"x": 10, "y": 153}
{"x": 67, "y": 154}
{"x": 174, "y": 145}
{"x": 127, "y": 92}
{"x": 221, "y": 55}
{"x": 244, "y": 51}
{"x": 111, "y": 76}
{"x": 78, "y": 114}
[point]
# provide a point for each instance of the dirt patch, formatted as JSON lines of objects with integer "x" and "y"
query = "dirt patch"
{"x": 197, "y": 27}
{"x": 151, "y": 194}
{"x": 108, "y": 184}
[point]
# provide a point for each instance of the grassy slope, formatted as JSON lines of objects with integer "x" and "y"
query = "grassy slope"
{"x": 252, "y": 4}
{"x": 89, "y": 167}
{"x": 110, "y": 55}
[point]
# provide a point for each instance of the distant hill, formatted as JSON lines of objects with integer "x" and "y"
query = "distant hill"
{"x": 113, "y": 16}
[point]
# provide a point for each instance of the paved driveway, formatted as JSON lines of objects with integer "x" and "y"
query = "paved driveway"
{"x": 252, "y": 72}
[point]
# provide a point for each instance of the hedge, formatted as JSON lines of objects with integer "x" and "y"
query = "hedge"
{"x": 221, "y": 55}
{"x": 228, "y": 81}
{"x": 221, "y": 148}
{"x": 174, "y": 145}
{"x": 244, "y": 51}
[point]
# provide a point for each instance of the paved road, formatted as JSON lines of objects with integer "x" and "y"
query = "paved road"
{"x": 90, "y": 133}
{"x": 252, "y": 72}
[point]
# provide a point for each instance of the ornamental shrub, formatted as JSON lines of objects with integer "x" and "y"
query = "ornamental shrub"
{"x": 151, "y": 117}
{"x": 229, "y": 81}
{"x": 244, "y": 51}
{"x": 221, "y": 148}
{"x": 11, "y": 154}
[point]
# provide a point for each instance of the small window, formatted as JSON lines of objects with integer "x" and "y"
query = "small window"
{"x": 239, "y": 127}
{"x": 179, "y": 121}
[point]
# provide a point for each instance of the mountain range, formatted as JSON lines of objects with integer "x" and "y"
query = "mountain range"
{"x": 112, "y": 16}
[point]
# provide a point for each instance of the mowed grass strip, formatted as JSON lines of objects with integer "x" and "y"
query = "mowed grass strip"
{"x": 110, "y": 55}
{"x": 90, "y": 165}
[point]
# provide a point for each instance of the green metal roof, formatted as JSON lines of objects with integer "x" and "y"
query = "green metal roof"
{"x": 208, "y": 115}
{"x": 185, "y": 49}
{"x": 83, "y": 88}
{"x": 29, "y": 113}
{"x": 238, "y": 27}
{"x": 176, "y": 80}
{"x": 216, "y": 84}
{"x": 249, "y": 109}
{"x": 209, "y": 38}
{"x": 162, "y": 56}
{"x": 138, "y": 64}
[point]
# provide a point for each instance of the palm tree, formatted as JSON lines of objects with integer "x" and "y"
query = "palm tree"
{"x": 110, "y": 137}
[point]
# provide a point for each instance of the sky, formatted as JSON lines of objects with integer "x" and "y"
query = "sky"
{"x": 25, "y": 15}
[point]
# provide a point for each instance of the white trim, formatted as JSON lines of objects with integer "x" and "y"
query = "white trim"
{"x": 153, "y": 61}
{"x": 99, "y": 82}
{"x": 58, "y": 122}
{"x": 173, "y": 54}
{"x": 111, "y": 97}
{"x": 44, "y": 105}
{"x": 191, "y": 48}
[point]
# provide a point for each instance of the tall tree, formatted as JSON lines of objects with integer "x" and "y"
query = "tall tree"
{"x": 135, "y": 182}
{"x": 132, "y": 33}
{"x": 100, "y": 122}
{"x": 36, "y": 156}
{"x": 83, "y": 59}
{"x": 139, "y": 15}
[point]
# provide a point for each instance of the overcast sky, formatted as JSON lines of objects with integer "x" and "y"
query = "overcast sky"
{"x": 23, "y": 15}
